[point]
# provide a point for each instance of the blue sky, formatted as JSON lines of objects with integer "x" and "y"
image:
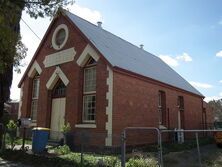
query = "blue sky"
{"x": 186, "y": 34}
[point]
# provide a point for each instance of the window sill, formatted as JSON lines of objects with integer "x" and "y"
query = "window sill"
{"x": 162, "y": 127}
{"x": 85, "y": 125}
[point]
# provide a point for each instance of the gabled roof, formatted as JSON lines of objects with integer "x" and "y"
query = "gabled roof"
{"x": 125, "y": 55}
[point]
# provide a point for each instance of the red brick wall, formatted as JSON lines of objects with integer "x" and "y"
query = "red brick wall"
{"x": 74, "y": 73}
{"x": 135, "y": 103}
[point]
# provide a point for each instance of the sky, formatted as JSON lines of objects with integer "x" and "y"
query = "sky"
{"x": 186, "y": 34}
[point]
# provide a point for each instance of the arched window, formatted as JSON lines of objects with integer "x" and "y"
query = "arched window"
{"x": 59, "y": 90}
{"x": 89, "y": 91}
{"x": 35, "y": 96}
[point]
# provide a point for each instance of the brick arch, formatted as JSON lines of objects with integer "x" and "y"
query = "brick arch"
{"x": 58, "y": 73}
{"x": 86, "y": 54}
{"x": 35, "y": 68}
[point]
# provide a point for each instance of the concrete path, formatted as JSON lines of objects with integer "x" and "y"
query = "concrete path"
{"x": 4, "y": 163}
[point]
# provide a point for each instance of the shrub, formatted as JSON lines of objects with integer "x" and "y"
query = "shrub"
{"x": 66, "y": 128}
{"x": 108, "y": 162}
{"x": 62, "y": 150}
{"x": 11, "y": 130}
{"x": 141, "y": 162}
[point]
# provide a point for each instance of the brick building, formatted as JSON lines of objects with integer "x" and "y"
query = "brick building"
{"x": 96, "y": 81}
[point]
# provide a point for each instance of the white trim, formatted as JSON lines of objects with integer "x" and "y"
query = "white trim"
{"x": 109, "y": 107}
{"x": 85, "y": 125}
{"x": 35, "y": 67}
{"x": 55, "y": 77}
{"x": 61, "y": 57}
{"x": 54, "y": 45}
{"x": 87, "y": 52}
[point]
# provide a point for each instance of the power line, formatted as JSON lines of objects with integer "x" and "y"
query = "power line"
{"x": 31, "y": 29}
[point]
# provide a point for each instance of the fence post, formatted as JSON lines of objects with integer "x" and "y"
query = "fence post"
{"x": 123, "y": 148}
{"x": 198, "y": 149}
{"x": 160, "y": 148}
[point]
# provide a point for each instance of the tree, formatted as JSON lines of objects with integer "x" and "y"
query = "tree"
{"x": 12, "y": 50}
{"x": 217, "y": 108}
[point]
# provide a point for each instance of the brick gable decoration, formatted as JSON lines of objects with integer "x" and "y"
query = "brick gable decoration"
{"x": 103, "y": 84}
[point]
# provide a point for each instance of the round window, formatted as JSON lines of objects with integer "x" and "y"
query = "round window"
{"x": 60, "y": 37}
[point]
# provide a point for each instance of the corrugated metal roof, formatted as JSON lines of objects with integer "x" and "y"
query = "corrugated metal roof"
{"x": 125, "y": 55}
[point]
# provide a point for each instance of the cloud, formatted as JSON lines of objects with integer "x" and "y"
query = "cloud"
{"x": 200, "y": 85}
{"x": 174, "y": 60}
{"x": 220, "y": 81}
{"x": 90, "y": 15}
{"x": 220, "y": 22}
{"x": 210, "y": 98}
{"x": 184, "y": 57}
{"x": 219, "y": 54}
{"x": 169, "y": 60}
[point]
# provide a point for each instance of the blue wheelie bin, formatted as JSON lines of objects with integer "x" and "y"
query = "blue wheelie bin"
{"x": 39, "y": 139}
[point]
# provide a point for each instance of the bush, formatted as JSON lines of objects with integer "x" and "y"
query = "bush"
{"x": 62, "y": 150}
{"x": 141, "y": 162}
{"x": 108, "y": 162}
{"x": 66, "y": 128}
{"x": 11, "y": 130}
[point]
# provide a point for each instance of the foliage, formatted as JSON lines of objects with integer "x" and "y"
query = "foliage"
{"x": 66, "y": 128}
{"x": 141, "y": 162}
{"x": 12, "y": 50}
{"x": 68, "y": 160}
{"x": 62, "y": 150}
{"x": 217, "y": 108}
{"x": 11, "y": 130}
{"x": 11, "y": 125}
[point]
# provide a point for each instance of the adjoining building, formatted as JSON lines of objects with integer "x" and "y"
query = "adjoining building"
{"x": 96, "y": 81}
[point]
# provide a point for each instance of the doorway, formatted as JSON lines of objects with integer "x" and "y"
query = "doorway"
{"x": 58, "y": 110}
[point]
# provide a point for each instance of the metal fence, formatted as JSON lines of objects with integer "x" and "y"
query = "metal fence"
{"x": 133, "y": 140}
{"x": 168, "y": 140}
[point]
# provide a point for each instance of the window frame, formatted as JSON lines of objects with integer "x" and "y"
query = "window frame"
{"x": 35, "y": 79}
{"x": 162, "y": 107}
{"x": 88, "y": 93}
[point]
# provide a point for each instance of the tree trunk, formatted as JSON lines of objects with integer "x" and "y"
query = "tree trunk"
{"x": 7, "y": 76}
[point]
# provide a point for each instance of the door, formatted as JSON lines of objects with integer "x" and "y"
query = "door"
{"x": 57, "y": 117}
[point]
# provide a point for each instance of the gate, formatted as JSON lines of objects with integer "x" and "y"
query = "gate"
{"x": 123, "y": 145}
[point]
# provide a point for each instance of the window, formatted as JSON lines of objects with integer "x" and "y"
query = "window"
{"x": 35, "y": 96}
{"x": 59, "y": 90}
{"x": 60, "y": 37}
{"x": 89, "y": 92}
{"x": 162, "y": 107}
{"x": 180, "y": 103}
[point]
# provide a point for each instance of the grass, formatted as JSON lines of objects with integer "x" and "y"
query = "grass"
{"x": 74, "y": 159}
